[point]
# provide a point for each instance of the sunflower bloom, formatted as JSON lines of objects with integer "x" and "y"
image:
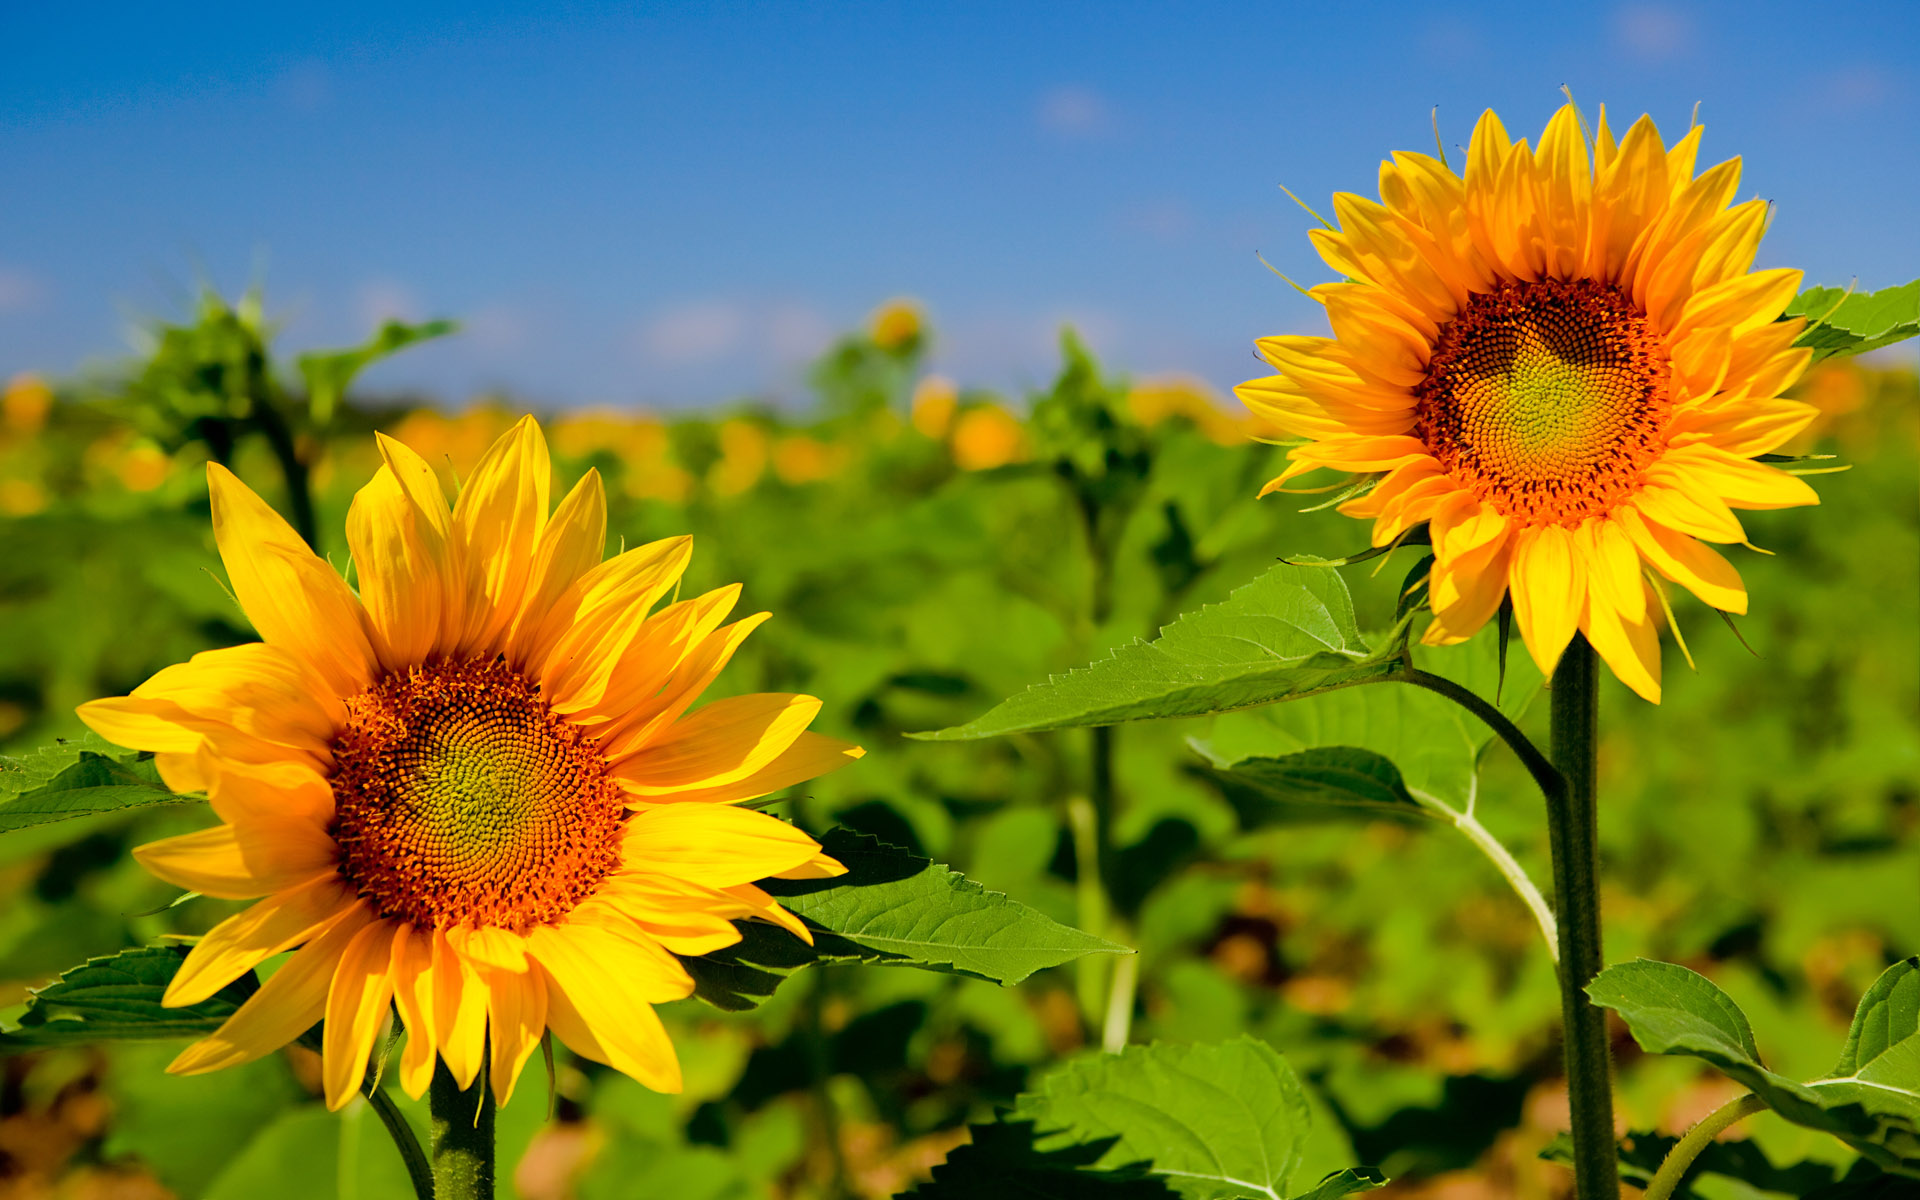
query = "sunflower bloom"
{"x": 1564, "y": 365}
{"x": 473, "y": 792}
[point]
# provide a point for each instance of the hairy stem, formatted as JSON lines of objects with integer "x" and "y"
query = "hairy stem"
{"x": 419, "y": 1167}
{"x": 462, "y": 1136}
{"x": 1697, "y": 1139}
{"x": 1573, "y": 827}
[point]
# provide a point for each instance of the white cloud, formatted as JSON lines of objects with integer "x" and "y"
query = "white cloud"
{"x": 797, "y": 333}
{"x": 1073, "y": 111}
{"x": 693, "y": 333}
{"x": 380, "y": 300}
{"x": 1652, "y": 32}
{"x": 20, "y": 292}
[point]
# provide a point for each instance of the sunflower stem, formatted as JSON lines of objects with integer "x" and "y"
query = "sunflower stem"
{"x": 1573, "y": 825}
{"x": 462, "y": 1136}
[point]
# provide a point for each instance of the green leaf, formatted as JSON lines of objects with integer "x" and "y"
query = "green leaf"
{"x": 330, "y": 373}
{"x": 1842, "y": 324}
{"x": 1218, "y": 1121}
{"x": 896, "y": 909}
{"x": 1271, "y": 790}
{"x": 1872, "y": 1102}
{"x": 118, "y": 998}
{"x": 1287, "y": 634}
{"x": 1433, "y": 744}
{"x": 1641, "y": 1154}
{"x": 77, "y": 778}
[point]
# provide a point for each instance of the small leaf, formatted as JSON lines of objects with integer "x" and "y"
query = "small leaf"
{"x": 330, "y": 373}
{"x": 1888, "y": 1015}
{"x": 118, "y": 998}
{"x": 77, "y": 778}
{"x": 1214, "y": 1121}
{"x": 1672, "y": 1010}
{"x": 1270, "y": 791}
{"x": 1346, "y": 1183}
{"x": 1642, "y": 1153}
{"x": 1841, "y": 324}
{"x": 892, "y": 908}
{"x": 1287, "y": 634}
{"x": 1872, "y": 1103}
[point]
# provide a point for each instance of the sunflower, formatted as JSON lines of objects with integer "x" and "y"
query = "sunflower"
{"x": 1564, "y": 365}
{"x": 474, "y": 791}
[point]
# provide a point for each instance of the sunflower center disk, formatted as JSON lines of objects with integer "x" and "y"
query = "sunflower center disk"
{"x": 460, "y": 799}
{"x": 1547, "y": 399}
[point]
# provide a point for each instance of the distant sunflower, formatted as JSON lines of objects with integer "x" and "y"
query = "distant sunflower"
{"x": 474, "y": 791}
{"x": 1564, "y": 366}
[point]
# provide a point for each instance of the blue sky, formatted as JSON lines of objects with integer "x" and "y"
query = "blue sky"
{"x": 679, "y": 204}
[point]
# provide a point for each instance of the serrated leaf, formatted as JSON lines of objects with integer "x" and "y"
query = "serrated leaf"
{"x": 1857, "y": 323}
{"x": 118, "y": 998}
{"x": 1272, "y": 790}
{"x": 892, "y": 908}
{"x": 1873, "y": 1107}
{"x": 1001, "y": 1159}
{"x": 1346, "y": 1183}
{"x": 1215, "y": 1121}
{"x": 1888, "y": 1015}
{"x": 1642, "y": 1153}
{"x": 1287, "y": 634}
{"x": 77, "y": 778}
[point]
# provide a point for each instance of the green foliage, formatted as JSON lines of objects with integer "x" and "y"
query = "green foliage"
{"x": 118, "y": 998}
{"x": 329, "y": 373}
{"x": 1842, "y": 322}
{"x": 1288, "y": 634}
{"x": 1871, "y": 1099}
{"x": 1641, "y": 1154}
{"x": 896, "y": 909}
{"x": 1216, "y": 1121}
{"x": 1271, "y": 790}
{"x": 78, "y": 778}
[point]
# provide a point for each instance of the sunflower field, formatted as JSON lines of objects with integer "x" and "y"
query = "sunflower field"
{"x": 1084, "y": 821}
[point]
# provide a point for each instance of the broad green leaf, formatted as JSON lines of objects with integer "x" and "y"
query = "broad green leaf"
{"x": 1289, "y": 633}
{"x": 1214, "y": 1121}
{"x": 1642, "y": 1153}
{"x": 1872, "y": 1102}
{"x": 1434, "y": 744}
{"x": 1002, "y": 1158}
{"x": 1857, "y": 323}
{"x": 77, "y": 778}
{"x": 118, "y": 998}
{"x": 892, "y": 908}
{"x": 1346, "y": 1183}
{"x": 1271, "y": 791}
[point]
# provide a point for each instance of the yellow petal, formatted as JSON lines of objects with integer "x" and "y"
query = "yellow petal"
{"x": 296, "y": 601}
{"x": 266, "y": 794}
{"x": 459, "y": 1011}
{"x": 286, "y": 1006}
{"x": 242, "y": 942}
{"x": 404, "y": 570}
{"x": 1700, "y": 569}
{"x": 715, "y": 845}
{"x": 597, "y": 1001}
{"x": 498, "y": 521}
{"x": 1613, "y": 568}
{"x": 1631, "y": 648}
{"x": 413, "y": 995}
{"x": 811, "y": 756}
{"x": 516, "y": 1019}
{"x": 1667, "y": 499}
{"x": 1566, "y": 191}
{"x": 226, "y": 863}
{"x": 724, "y": 742}
{"x": 357, "y": 1005}
{"x": 570, "y": 546}
{"x": 1741, "y": 482}
{"x": 639, "y": 721}
{"x": 1549, "y": 584}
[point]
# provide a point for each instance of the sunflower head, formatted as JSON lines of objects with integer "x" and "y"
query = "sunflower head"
{"x": 1563, "y": 364}
{"x": 478, "y": 792}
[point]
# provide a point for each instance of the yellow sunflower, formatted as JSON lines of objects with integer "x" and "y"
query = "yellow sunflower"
{"x": 1563, "y": 364}
{"x": 474, "y": 791}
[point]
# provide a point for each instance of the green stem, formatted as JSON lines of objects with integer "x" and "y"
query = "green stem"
{"x": 462, "y": 1137}
{"x": 419, "y": 1168}
{"x": 1090, "y": 896}
{"x": 280, "y": 439}
{"x": 1573, "y": 826}
{"x": 1536, "y": 763}
{"x": 1674, "y": 1169}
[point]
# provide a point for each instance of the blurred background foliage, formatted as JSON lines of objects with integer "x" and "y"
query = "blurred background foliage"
{"x": 928, "y": 549}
